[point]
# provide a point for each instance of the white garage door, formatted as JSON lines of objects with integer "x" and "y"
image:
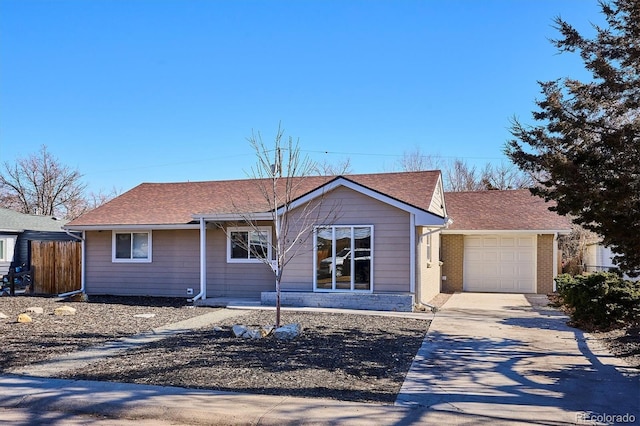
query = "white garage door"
{"x": 500, "y": 263}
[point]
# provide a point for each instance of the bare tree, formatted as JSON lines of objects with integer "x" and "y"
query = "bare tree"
{"x": 460, "y": 176}
{"x": 333, "y": 169}
{"x": 415, "y": 161}
{"x": 573, "y": 247}
{"x": 39, "y": 184}
{"x": 505, "y": 176}
{"x": 279, "y": 173}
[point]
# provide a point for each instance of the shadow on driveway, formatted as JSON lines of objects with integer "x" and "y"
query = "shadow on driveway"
{"x": 519, "y": 363}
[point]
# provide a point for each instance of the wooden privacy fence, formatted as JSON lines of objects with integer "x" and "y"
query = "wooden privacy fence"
{"x": 56, "y": 266}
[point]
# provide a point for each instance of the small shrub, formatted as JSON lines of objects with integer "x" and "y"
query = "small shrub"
{"x": 600, "y": 301}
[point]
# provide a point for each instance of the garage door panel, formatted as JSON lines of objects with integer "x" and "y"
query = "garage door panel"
{"x": 500, "y": 263}
{"x": 507, "y": 242}
{"x": 490, "y": 242}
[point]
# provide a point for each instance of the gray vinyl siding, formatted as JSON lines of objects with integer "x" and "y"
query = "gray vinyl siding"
{"x": 175, "y": 266}
{"x": 391, "y": 242}
{"x": 234, "y": 279}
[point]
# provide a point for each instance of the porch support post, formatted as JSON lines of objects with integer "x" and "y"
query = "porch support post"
{"x": 203, "y": 258}
{"x": 412, "y": 254}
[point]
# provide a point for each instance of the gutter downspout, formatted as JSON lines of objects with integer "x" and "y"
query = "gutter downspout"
{"x": 412, "y": 254}
{"x": 555, "y": 260}
{"x": 447, "y": 223}
{"x": 82, "y": 264}
{"x": 203, "y": 262}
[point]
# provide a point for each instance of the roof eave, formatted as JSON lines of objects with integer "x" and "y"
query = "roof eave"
{"x": 507, "y": 231}
{"x": 230, "y": 217}
{"x": 167, "y": 226}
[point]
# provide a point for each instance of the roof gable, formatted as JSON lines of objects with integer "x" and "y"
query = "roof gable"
{"x": 510, "y": 210}
{"x": 178, "y": 203}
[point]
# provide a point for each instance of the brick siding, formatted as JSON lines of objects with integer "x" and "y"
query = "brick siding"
{"x": 453, "y": 261}
{"x": 545, "y": 264}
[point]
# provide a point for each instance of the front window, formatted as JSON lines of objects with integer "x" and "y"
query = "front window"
{"x": 344, "y": 256}
{"x": 248, "y": 245}
{"x": 132, "y": 246}
{"x": 2, "y": 250}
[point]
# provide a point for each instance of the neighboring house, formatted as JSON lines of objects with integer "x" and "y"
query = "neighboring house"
{"x": 17, "y": 230}
{"x": 599, "y": 258}
{"x": 382, "y": 252}
{"x": 501, "y": 241}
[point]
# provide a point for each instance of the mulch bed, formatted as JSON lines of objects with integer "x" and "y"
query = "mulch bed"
{"x": 339, "y": 356}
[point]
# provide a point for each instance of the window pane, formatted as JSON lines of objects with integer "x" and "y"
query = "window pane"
{"x": 239, "y": 241}
{"x": 362, "y": 260}
{"x": 123, "y": 246}
{"x": 324, "y": 271}
{"x": 343, "y": 258}
{"x": 1, "y": 249}
{"x": 140, "y": 245}
{"x": 259, "y": 245}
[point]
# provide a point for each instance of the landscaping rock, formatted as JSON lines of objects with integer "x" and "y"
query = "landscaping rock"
{"x": 79, "y": 297}
{"x": 34, "y": 310}
{"x": 64, "y": 310}
{"x": 238, "y": 330}
{"x": 144, "y": 315}
{"x": 252, "y": 334}
{"x": 3, "y": 316}
{"x": 24, "y": 318}
{"x": 266, "y": 331}
{"x": 287, "y": 332}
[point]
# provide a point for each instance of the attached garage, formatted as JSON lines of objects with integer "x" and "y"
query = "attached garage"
{"x": 500, "y": 263}
{"x": 500, "y": 242}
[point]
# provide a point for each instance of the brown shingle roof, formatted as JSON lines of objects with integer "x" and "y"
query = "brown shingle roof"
{"x": 502, "y": 210}
{"x": 174, "y": 203}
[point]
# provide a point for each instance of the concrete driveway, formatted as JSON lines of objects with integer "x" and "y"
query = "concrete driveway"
{"x": 502, "y": 358}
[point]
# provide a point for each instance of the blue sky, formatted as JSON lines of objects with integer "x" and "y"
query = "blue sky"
{"x": 131, "y": 91}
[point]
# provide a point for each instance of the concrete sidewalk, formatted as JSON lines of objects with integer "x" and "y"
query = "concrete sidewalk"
{"x": 487, "y": 359}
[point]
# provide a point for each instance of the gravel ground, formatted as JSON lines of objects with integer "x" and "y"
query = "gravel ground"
{"x": 101, "y": 320}
{"x": 340, "y": 356}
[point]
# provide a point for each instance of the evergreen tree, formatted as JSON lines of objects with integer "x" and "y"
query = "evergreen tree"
{"x": 585, "y": 149}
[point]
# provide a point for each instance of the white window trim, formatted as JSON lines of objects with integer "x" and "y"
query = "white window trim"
{"x": 8, "y": 248}
{"x": 148, "y": 259}
{"x": 333, "y": 288}
{"x": 264, "y": 229}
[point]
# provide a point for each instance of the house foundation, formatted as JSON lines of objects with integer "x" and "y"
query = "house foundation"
{"x": 370, "y": 302}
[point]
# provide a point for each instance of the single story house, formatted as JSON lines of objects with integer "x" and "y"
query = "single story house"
{"x": 17, "y": 230}
{"x": 501, "y": 241}
{"x": 375, "y": 245}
